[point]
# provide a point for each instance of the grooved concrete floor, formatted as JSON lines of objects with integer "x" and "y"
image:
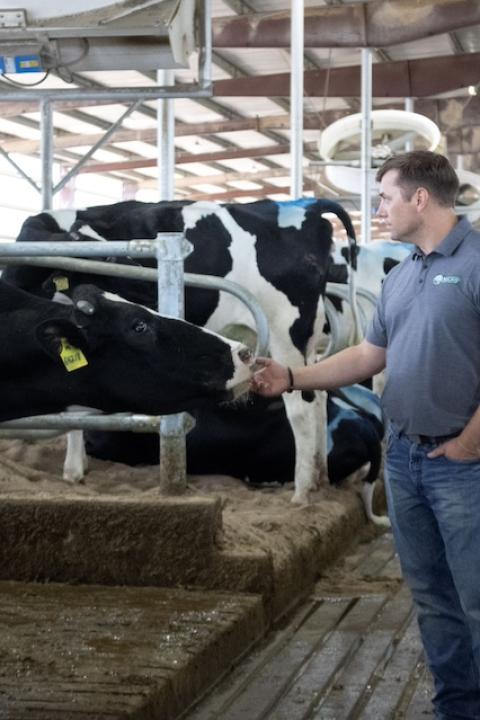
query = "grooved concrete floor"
{"x": 128, "y": 647}
{"x": 87, "y": 652}
{"x": 351, "y": 652}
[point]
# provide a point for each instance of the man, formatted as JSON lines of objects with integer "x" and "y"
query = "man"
{"x": 426, "y": 332}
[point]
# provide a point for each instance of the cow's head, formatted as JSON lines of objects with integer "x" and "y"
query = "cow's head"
{"x": 138, "y": 360}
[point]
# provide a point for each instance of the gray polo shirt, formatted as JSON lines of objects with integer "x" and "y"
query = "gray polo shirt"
{"x": 428, "y": 319}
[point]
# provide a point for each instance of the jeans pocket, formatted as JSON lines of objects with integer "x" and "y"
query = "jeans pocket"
{"x": 474, "y": 461}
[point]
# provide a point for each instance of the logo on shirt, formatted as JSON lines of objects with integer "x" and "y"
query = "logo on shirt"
{"x": 448, "y": 279}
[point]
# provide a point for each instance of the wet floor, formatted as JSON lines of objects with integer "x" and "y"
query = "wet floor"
{"x": 351, "y": 652}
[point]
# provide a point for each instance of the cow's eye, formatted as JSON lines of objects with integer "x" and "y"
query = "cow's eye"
{"x": 139, "y": 326}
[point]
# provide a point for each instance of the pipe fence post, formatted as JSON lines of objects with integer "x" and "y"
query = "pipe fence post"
{"x": 171, "y": 286}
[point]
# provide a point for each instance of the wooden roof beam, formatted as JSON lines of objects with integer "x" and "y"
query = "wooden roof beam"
{"x": 375, "y": 24}
{"x": 404, "y": 78}
{"x": 184, "y": 158}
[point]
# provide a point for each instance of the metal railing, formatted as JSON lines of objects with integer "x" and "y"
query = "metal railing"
{"x": 169, "y": 249}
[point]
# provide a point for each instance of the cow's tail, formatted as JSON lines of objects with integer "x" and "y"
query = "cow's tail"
{"x": 375, "y": 464}
{"x": 335, "y": 208}
{"x": 342, "y": 214}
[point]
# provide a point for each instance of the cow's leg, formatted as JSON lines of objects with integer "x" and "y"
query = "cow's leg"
{"x": 75, "y": 465}
{"x": 307, "y": 416}
{"x": 308, "y": 424}
{"x": 76, "y": 461}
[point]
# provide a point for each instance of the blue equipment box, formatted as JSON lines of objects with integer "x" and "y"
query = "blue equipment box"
{"x": 20, "y": 64}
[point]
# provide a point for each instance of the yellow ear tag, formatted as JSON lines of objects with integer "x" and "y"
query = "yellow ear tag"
{"x": 72, "y": 357}
{"x": 61, "y": 283}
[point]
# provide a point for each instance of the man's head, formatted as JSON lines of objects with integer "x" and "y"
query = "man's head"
{"x": 422, "y": 168}
{"x": 417, "y": 189}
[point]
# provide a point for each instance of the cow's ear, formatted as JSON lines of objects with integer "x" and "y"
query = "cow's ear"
{"x": 52, "y": 333}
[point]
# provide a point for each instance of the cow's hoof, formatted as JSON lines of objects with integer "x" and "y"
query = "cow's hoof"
{"x": 300, "y": 499}
{"x": 381, "y": 521}
{"x": 72, "y": 477}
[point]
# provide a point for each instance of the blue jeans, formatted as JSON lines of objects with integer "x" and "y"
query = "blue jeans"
{"x": 434, "y": 507}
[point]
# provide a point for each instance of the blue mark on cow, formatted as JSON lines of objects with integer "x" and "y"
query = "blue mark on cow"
{"x": 362, "y": 398}
{"x": 292, "y": 212}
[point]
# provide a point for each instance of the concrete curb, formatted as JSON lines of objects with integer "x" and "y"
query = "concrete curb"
{"x": 78, "y": 540}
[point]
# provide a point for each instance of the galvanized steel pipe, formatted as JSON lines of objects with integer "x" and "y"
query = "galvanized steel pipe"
{"x": 296, "y": 99}
{"x": 208, "y": 282}
{"x": 171, "y": 291}
{"x": 46, "y": 153}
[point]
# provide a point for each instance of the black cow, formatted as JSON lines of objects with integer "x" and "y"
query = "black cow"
{"x": 279, "y": 251}
{"x": 252, "y": 440}
{"x": 249, "y": 440}
{"x": 109, "y": 354}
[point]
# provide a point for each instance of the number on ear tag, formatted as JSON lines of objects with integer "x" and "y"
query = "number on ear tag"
{"x": 72, "y": 357}
{"x": 61, "y": 283}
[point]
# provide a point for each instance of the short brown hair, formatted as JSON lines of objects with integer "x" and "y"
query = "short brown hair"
{"x": 422, "y": 168}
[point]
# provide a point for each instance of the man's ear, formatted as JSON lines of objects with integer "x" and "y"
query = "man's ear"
{"x": 50, "y": 333}
{"x": 422, "y": 198}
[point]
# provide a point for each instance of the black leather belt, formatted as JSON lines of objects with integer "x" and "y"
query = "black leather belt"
{"x": 431, "y": 439}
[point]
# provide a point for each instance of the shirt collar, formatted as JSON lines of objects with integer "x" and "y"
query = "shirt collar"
{"x": 451, "y": 241}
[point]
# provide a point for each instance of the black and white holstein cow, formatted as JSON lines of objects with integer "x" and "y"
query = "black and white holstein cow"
{"x": 255, "y": 443}
{"x": 374, "y": 261}
{"x": 102, "y": 352}
{"x": 279, "y": 251}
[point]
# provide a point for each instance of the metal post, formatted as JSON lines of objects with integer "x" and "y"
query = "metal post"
{"x": 205, "y": 53}
{"x": 366, "y": 228}
{"x": 408, "y": 108}
{"x": 46, "y": 153}
{"x": 165, "y": 139}
{"x": 173, "y": 455}
{"x": 296, "y": 98}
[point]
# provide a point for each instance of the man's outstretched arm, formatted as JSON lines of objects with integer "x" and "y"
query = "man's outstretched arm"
{"x": 349, "y": 366}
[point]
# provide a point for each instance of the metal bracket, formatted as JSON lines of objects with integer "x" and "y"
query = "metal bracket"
{"x": 13, "y": 18}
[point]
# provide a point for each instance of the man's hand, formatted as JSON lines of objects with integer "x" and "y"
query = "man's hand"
{"x": 454, "y": 449}
{"x": 271, "y": 379}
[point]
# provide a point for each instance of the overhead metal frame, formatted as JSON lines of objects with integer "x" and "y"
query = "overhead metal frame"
{"x": 47, "y": 98}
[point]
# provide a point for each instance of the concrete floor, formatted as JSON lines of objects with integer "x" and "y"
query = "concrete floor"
{"x": 88, "y": 652}
{"x": 351, "y": 652}
{"x": 108, "y": 632}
